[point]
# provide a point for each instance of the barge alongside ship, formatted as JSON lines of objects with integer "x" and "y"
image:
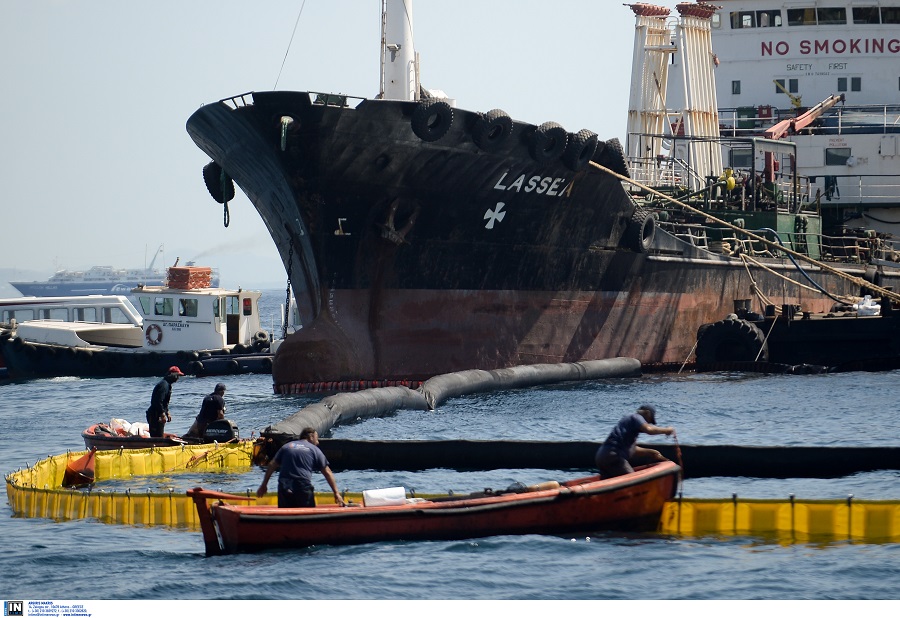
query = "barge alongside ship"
{"x": 421, "y": 238}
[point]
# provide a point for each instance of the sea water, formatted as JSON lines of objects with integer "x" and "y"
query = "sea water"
{"x": 85, "y": 559}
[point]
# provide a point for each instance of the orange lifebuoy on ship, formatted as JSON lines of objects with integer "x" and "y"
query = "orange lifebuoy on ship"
{"x": 154, "y": 334}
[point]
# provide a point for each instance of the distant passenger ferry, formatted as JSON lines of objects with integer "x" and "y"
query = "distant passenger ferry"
{"x": 104, "y": 280}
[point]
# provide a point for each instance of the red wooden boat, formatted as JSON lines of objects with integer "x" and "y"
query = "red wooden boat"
{"x": 633, "y": 501}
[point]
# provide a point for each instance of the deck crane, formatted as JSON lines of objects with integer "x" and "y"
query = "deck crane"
{"x": 792, "y": 125}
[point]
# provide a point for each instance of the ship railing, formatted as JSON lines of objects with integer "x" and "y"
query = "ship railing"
{"x": 841, "y": 189}
{"x": 238, "y": 100}
{"x": 840, "y": 120}
{"x": 853, "y": 247}
{"x": 860, "y": 247}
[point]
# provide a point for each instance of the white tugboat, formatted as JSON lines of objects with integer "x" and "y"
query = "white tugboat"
{"x": 203, "y": 330}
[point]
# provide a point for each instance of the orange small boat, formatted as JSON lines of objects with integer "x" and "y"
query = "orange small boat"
{"x": 633, "y": 501}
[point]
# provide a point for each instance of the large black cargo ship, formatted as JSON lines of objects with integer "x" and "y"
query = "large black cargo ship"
{"x": 420, "y": 238}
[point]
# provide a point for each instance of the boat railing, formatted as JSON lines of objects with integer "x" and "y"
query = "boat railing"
{"x": 840, "y": 120}
{"x": 853, "y": 247}
{"x": 870, "y": 189}
{"x": 238, "y": 100}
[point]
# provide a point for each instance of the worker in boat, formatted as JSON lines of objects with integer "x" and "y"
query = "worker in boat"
{"x": 212, "y": 409}
{"x": 615, "y": 455}
{"x": 158, "y": 412}
{"x": 297, "y": 461}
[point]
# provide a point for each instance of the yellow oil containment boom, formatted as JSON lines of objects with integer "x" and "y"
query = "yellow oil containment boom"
{"x": 791, "y": 520}
{"x": 38, "y": 491}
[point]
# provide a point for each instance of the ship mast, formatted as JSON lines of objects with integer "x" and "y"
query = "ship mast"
{"x": 399, "y": 62}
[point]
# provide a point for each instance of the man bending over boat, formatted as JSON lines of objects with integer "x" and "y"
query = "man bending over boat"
{"x": 620, "y": 448}
{"x": 158, "y": 412}
{"x": 212, "y": 409}
{"x": 297, "y": 461}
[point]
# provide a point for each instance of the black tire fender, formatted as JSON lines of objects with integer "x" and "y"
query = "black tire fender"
{"x": 641, "y": 230}
{"x": 491, "y": 129}
{"x": 219, "y": 184}
{"x": 580, "y": 149}
{"x": 731, "y": 341}
{"x": 613, "y": 157}
{"x": 432, "y": 119}
{"x": 548, "y": 142}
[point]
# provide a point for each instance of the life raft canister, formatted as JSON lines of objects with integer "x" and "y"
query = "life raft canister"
{"x": 154, "y": 334}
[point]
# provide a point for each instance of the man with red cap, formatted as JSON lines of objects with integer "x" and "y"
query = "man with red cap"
{"x": 158, "y": 412}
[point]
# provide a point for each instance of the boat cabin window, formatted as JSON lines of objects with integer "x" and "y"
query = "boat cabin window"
{"x": 890, "y": 14}
{"x": 162, "y": 306}
{"x": 84, "y": 314}
{"x": 19, "y": 315}
{"x": 735, "y": 86}
{"x": 866, "y": 15}
{"x": 187, "y": 307}
{"x": 115, "y": 315}
{"x": 56, "y": 313}
{"x": 836, "y": 156}
{"x": 232, "y": 305}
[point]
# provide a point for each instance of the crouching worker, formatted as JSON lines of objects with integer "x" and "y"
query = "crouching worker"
{"x": 615, "y": 456}
{"x": 212, "y": 409}
{"x": 296, "y": 461}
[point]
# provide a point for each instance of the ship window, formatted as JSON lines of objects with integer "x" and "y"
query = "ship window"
{"x": 793, "y": 85}
{"x": 768, "y": 19}
{"x": 162, "y": 306}
{"x": 856, "y": 84}
{"x": 146, "y": 304}
{"x": 836, "y": 156}
{"x": 842, "y": 84}
{"x": 865, "y": 15}
{"x": 742, "y": 19}
{"x": 890, "y": 14}
{"x": 187, "y": 307}
{"x": 801, "y": 17}
{"x": 832, "y": 15}
{"x": 741, "y": 159}
{"x": 736, "y": 86}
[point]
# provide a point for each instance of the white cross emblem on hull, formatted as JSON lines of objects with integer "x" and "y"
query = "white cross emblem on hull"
{"x": 494, "y": 215}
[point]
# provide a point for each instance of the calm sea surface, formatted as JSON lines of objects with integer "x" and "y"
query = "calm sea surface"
{"x": 43, "y": 559}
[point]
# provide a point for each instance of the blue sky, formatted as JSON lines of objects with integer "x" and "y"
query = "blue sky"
{"x": 97, "y": 167}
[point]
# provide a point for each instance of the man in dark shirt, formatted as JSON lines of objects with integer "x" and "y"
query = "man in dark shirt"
{"x": 212, "y": 409}
{"x": 158, "y": 412}
{"x": 297, "y": 461}
{"x": 615, "y": 454}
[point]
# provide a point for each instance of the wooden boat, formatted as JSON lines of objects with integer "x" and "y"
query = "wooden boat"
{"x": 104, "y": 437}
{"x": 633, "y": 501}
